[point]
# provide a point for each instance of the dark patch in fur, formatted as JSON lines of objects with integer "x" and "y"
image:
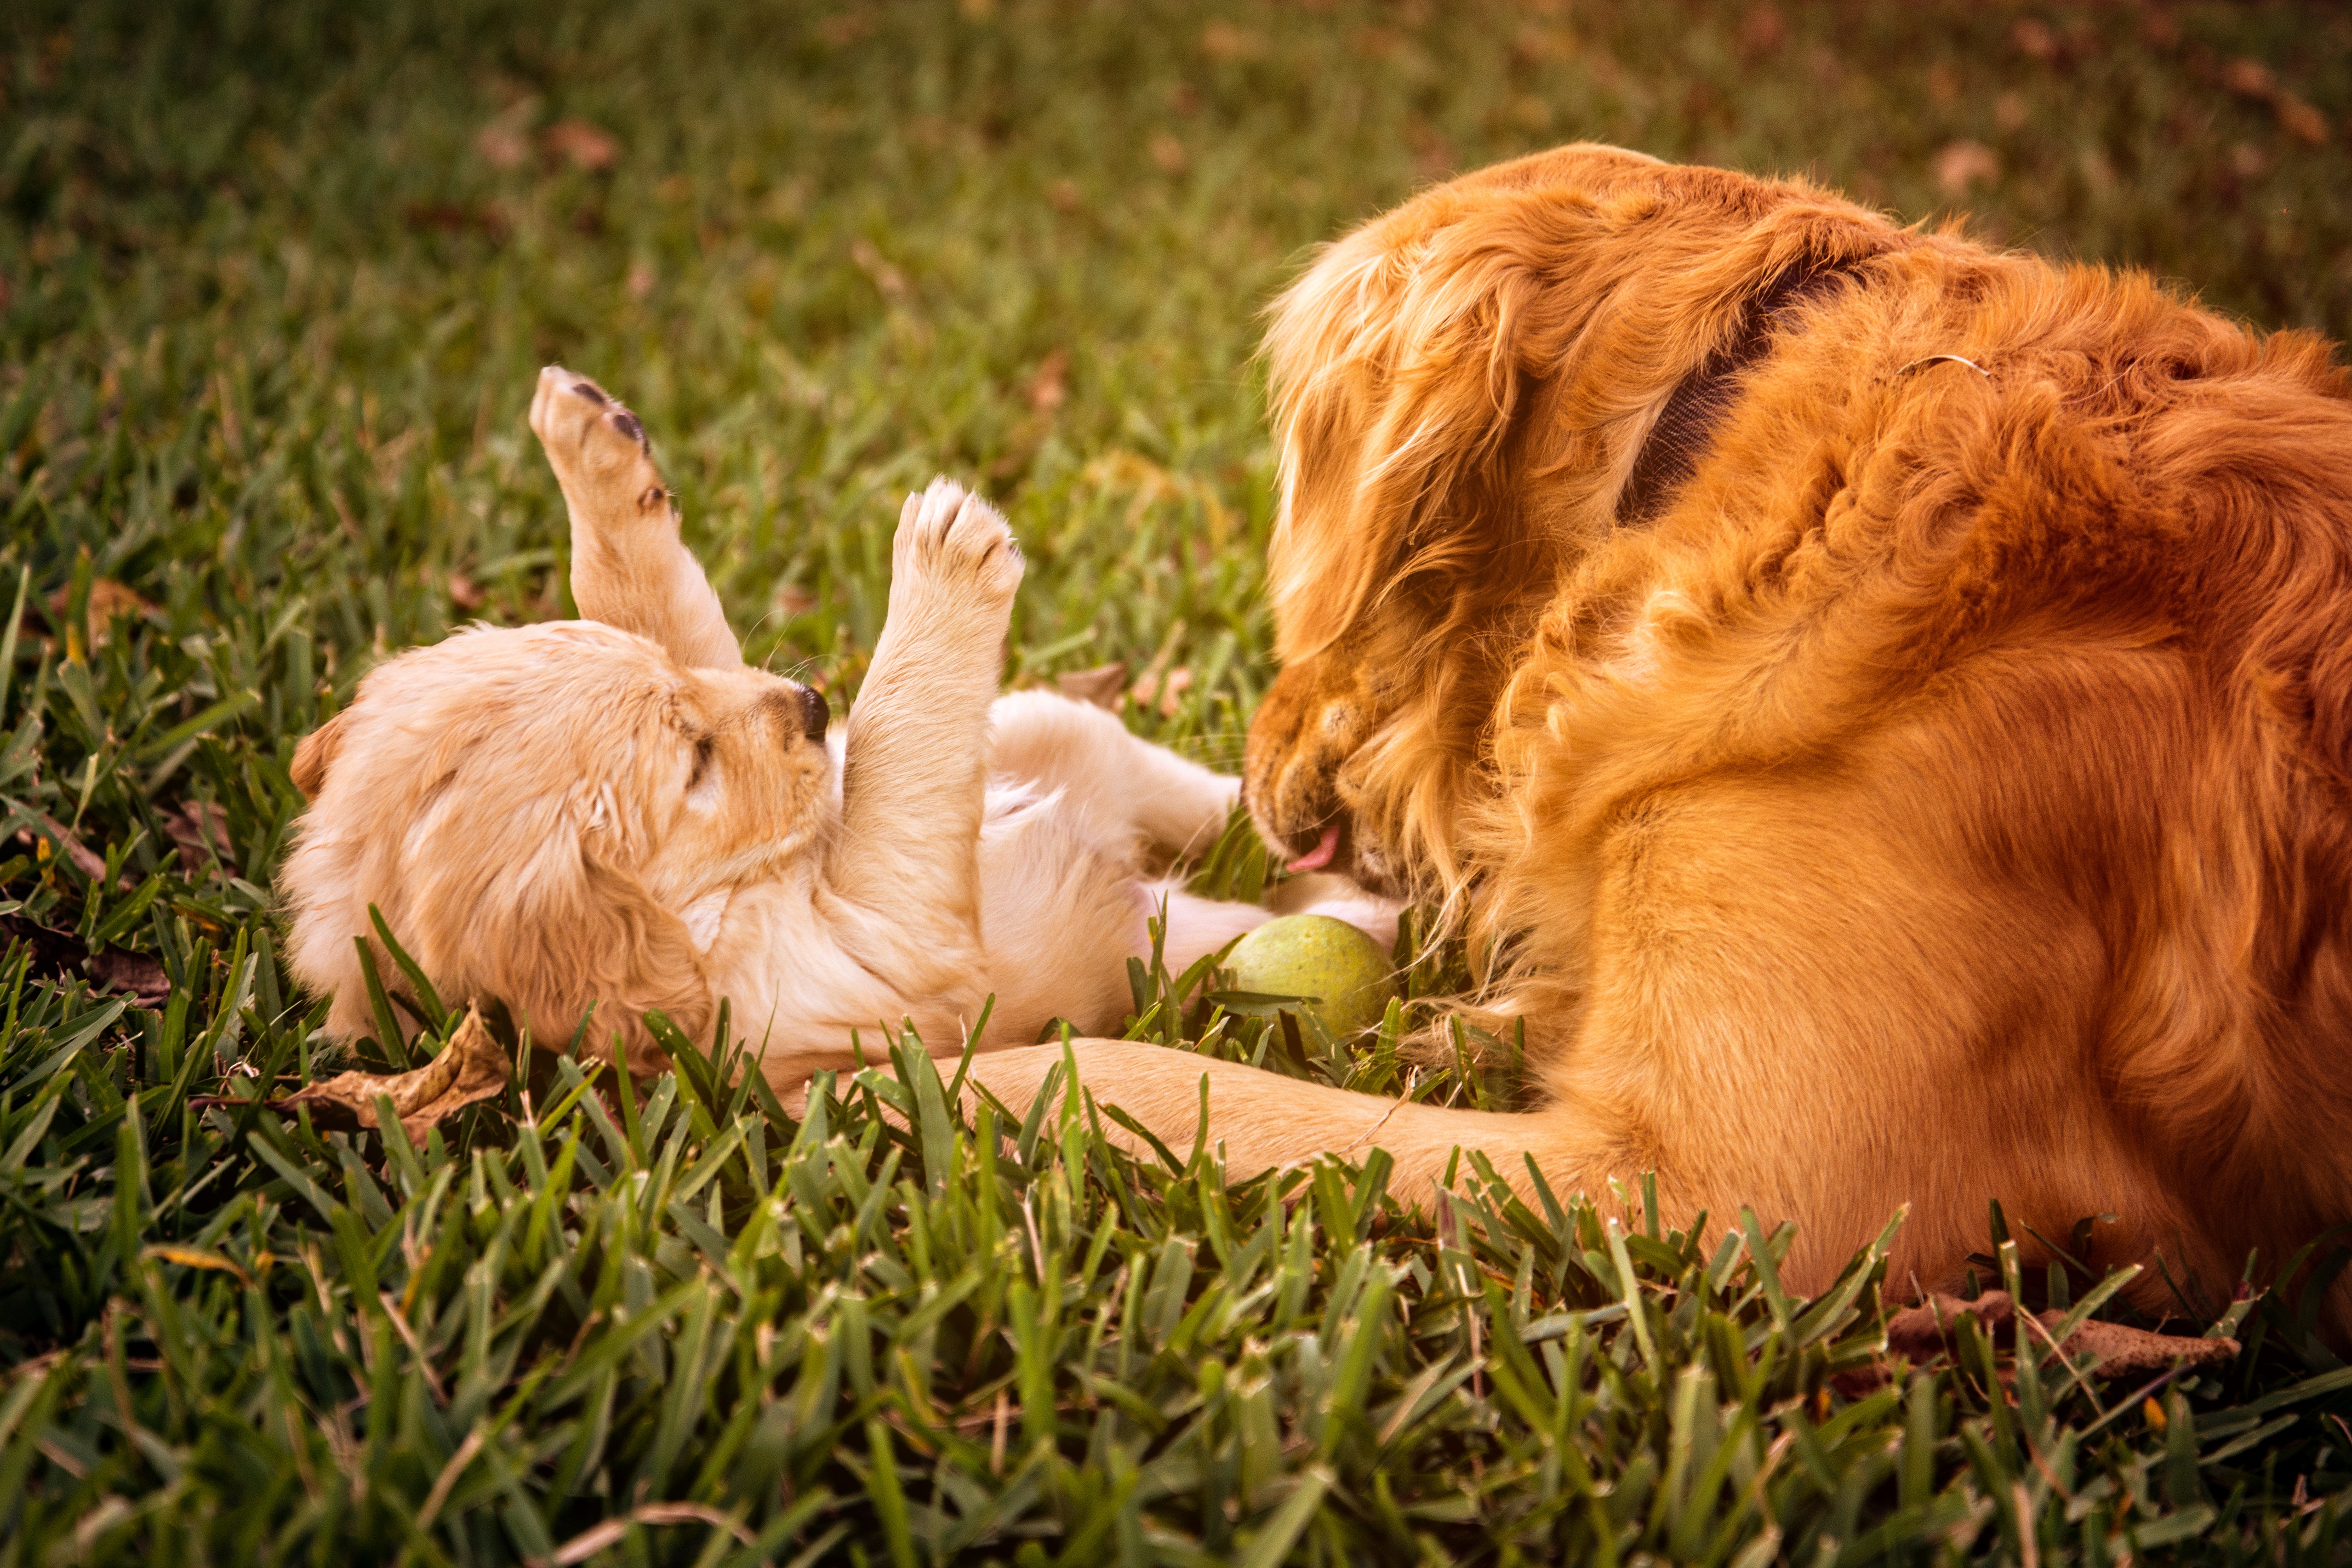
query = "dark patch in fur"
{"x": 1686, "y": 427}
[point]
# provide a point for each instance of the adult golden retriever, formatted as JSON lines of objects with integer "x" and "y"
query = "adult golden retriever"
{"x": 1885, "y": 705}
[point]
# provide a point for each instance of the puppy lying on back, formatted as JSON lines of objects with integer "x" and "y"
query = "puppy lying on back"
{"x": 617, "y": 811}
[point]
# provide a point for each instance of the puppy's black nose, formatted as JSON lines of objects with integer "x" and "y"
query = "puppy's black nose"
{"x": 813, "y": 712}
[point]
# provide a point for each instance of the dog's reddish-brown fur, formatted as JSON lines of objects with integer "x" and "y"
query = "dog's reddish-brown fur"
{"x": 1948, "y": 797}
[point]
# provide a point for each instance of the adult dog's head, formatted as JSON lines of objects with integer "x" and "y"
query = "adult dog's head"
{"x": 554, "y": 816}
{"x": 1461, "y": 390}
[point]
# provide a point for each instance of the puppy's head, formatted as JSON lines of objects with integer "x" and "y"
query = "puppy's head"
{"x": 555, "y": 816}
{"x": 1460, "y": 388}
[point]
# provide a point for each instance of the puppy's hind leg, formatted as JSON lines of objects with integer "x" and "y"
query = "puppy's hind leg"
{"x": 629, "y": 568}
{"x": 1122, "y": 787}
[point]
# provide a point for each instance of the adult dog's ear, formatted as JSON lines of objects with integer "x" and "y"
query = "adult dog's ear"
{"x": 1399, "y": 365}
{"x": 317, "y": 751}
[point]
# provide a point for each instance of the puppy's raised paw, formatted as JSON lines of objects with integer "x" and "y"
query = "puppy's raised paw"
{"x": 950, "y": 540}
{"x": 598, "y": 450}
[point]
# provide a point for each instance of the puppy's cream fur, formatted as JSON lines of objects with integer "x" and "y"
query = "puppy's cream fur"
{"x": 616, "y": 811}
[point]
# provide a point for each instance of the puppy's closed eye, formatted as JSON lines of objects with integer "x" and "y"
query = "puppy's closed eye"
{"x": 704, "y": 748}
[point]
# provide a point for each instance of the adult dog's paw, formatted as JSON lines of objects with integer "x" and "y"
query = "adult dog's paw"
{"x": 598, "y": 448}
{"x": 952, "y": 541}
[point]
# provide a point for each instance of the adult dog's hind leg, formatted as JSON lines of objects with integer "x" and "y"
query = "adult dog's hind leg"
{"x": 629, "y": 568}
{"x": 1266, "y": 1119}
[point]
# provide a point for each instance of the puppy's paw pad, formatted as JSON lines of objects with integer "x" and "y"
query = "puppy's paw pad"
{"x": 594, "y": 443}
{"x": 948, "y": 534}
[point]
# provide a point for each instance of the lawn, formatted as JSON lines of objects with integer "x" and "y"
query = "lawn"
{"x": 275, "y": 282}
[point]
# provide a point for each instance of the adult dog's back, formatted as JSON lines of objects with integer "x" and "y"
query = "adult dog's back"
{"x": 1888, "y": 705}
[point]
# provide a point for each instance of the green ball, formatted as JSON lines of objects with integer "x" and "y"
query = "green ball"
{"x": 1317, "y": 956}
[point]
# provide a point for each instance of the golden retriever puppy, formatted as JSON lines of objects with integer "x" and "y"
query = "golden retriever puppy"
{"x": 1884, "y": 707}
{"x": 616, "y": 813}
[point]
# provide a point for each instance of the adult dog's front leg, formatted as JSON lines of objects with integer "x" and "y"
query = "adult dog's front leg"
{"x": 913, "y": 769}
{"x": 629, "y": 568}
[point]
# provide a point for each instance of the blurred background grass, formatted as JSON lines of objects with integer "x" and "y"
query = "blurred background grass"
{"x": 277, "y": 277}
{"x": 275, "y": 283}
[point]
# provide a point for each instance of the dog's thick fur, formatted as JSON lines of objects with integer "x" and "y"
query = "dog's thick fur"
{"x": 1942, "y": 799}
{"x": 616, "y": 811}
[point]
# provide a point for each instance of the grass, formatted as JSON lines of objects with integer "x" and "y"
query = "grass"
{"x": 274, "y": 283}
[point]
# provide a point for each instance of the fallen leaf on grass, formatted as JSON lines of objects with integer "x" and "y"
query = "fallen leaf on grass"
{"x": 1103, "y": 685}
{"x": 1167, "y": 690}
{"x": 471, "y": 1068}
{"x": 89, "y": 862}
{"x": 2113, "y": 1350}
{"x": 198, "y": 826}
{"x": 2303, "y": 122}
{"x": 1049, "y": 384}
{"x": 888, "y": 279}
{"x": 1224, "y": 41}
{"x": 60, "y": 953}
{"x": 1964, "y": 163}
{"x": 2249, "y": 78}
{"x": 580, "y": 144}
{"x": 142, "y": 976}
{"x": 1923, "y": 1334}
{"x": 108, "y": 599}
{"x": 457, "y": 217}
{"x": 504, "y": 142}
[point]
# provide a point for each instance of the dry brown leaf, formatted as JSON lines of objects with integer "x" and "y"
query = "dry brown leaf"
{"x": 108, "y": 599}
{"x": 2112, "y": 1349}
{"x": 2303, "y": 122}
{"x": 199, "y": 828}
{"x": 502, "y": 143}
{"x": 1923, "y": 1334}
{"x": 2249, "y": 78}
{"x": 1964, "y": 163}
{"x": 1049, "y": 383}
{"x": 886, "y": 277}
{"x": 1101, "y": 686}
{"x": 143, "y": 977}
{"x": 90, "y": 863}
{"x": 580, "y": 144}
{"x": 1224, "y": 41}
{"x": 1762, "y": 30}
{"x": 471, "y": 1068}
{"x": 1168, "y": 692}
{"x": 1917, "y": 1333}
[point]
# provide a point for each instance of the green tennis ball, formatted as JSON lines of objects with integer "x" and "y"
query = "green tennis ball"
{"x": 1315, "y": 956}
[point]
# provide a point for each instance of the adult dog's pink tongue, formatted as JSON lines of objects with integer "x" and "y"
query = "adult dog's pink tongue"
{"x": 1320, "y": 855}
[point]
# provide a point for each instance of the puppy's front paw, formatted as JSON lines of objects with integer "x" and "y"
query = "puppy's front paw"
{"x": 951, "y": 541}
{"x": 598, "y": 450}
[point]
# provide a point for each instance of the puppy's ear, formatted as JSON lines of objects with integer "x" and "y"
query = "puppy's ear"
{"x": 570, "y": 928}
{"x": 317, "y": 750}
